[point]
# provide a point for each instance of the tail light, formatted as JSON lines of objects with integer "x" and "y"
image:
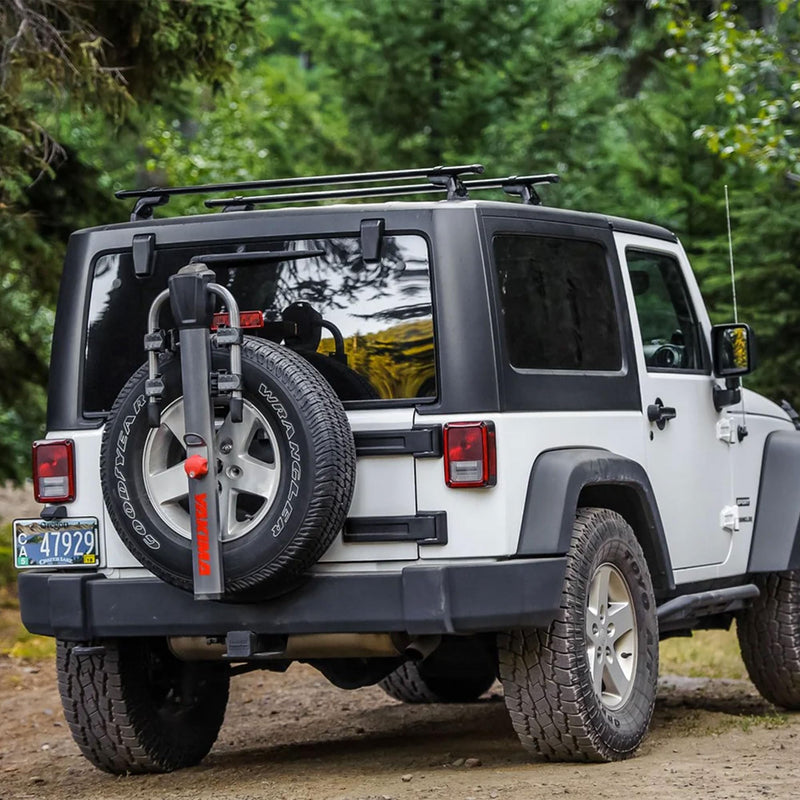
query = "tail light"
{"x": 247, "y": 319}
{"x": 54, "y": 471}
{"x": 470, "y": 455}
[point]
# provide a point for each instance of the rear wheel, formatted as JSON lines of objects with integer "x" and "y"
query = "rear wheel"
{"x": 769, "y": 637}
{"x": 584, "y": 689}
{"x": 134, "y": 707}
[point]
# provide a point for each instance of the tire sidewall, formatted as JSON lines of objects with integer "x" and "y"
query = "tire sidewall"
{"x": 620, "y": 729}
{"x": 147, "y": 535}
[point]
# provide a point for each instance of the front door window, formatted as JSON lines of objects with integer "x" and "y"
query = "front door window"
{"x": 670, "y": 332}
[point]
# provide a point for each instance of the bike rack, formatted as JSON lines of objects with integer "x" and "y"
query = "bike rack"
{"x": 191, "y": 294}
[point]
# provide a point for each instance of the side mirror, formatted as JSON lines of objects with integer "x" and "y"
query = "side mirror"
{"x": 734, "y": 350}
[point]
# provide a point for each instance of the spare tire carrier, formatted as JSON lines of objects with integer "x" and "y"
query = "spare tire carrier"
{"x": 190, "y": 294}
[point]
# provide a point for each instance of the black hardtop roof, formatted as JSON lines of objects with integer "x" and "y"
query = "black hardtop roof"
{"x": 359, "y": 210}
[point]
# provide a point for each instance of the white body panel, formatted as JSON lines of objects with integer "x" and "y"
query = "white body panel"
{"x": 487, "y": 521}
{"x": 385, "y": 486}
{"x": 89, "y": 496}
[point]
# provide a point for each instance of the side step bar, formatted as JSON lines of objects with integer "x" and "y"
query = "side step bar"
{"x": 689, "y": 607}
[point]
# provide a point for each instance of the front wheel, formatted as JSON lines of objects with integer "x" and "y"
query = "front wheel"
{"x": 769, "y": 637}
{"x": 134, "y": 707}
{"x": 584, "y": 689}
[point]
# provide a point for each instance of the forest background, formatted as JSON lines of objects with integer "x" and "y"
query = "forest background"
{"x": 645, "y": 109}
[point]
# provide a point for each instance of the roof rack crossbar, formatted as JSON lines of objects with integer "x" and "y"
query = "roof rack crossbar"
{"x": 518, "y": 185}
{"x": 311, "y": 180}
{"x": 247, "y": 203}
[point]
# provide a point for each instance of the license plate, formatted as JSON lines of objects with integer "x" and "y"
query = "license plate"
{"x": 66, "y": 542}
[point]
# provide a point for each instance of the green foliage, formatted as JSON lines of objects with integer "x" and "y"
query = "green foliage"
{"x": 72, "y": 65}
{"x": 8, "y": 573}
{"x": 705, "y": 654}
{"x": 646, "y": 110}
{"x": 754, "y": 61}
{"x": 15, "y": 641}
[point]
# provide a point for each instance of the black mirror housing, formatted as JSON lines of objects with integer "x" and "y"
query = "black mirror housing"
{"x": 734, "y": 349}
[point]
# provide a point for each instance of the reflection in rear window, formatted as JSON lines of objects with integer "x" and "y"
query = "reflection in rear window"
{"x": 377, "y": 316}
{"x": 557, "y": 303}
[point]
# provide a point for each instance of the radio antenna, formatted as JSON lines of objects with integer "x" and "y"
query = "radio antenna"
{"x": 730, "y": 254}
{"x": 741, "y": 430}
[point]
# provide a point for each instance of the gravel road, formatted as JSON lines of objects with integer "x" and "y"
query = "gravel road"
{"x": 295, "y": 736}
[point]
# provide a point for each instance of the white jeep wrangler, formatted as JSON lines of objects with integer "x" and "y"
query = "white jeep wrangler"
{"x": 460, "y": 439}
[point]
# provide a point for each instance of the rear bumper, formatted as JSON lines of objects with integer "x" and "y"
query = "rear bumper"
{"x": 466, "y": 598}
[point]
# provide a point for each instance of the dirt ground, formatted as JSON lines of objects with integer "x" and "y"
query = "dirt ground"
{"x": 295, "y": 736}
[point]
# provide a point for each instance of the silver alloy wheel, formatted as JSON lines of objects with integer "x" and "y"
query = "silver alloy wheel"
{"x": 611, "y": 636}
{"x": 248, "y": 470}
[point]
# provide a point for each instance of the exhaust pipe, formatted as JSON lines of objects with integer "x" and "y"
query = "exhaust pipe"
{"x": 306, "y": 646}
{"x": 420, "y": 647}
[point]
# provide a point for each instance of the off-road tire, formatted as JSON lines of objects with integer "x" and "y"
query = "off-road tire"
{"x": 769, "y": 638}
{"x": 313, "y": 492}
{"x": 127, "y": 707}
{"x": 546, "y": 675}
{"x": 411, "y": 684}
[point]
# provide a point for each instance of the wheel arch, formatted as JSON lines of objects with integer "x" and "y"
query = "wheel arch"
{"x": 775, "y": 546}
{"x": 563, "y": 480}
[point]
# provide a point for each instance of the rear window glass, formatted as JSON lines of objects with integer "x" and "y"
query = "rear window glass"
{"x": 380, "y": 314}
{"x": 557, "y": 303}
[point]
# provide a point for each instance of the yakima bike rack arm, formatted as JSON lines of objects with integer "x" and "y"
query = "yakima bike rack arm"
{"x": 191, "y": 294}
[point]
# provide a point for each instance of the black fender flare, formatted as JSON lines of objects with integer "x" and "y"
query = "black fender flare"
{"x": 560, "y": 478}
{"x": 775, "y": 545}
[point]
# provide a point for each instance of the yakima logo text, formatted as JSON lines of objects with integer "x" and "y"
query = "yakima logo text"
{"x": 201, "y": 520}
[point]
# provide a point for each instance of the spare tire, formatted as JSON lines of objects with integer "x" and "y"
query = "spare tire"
{"x": 285, "y": 474}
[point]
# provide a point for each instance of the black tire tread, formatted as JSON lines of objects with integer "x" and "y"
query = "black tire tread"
{"x": 111, "y": 721}
{"x": 540, "y": 671}
{"x": 769, "y": 638}
{"x": 407, "y": 685}
{"x": 410, "y": 683}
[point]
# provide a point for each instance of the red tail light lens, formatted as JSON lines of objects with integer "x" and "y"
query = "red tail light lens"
{"x": 470, "y": 454}
{"x": 247, "y": 319}
{"x": 54, "y": 471}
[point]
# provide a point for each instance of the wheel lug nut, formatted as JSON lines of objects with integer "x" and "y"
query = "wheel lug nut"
{"x": 226, "y": 446}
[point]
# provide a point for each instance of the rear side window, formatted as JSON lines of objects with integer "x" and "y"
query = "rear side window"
{"x": 378, "y": 319}
{"x": 557, "y": 304}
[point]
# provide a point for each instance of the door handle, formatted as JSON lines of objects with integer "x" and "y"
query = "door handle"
{"x": 660, "y": 414}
